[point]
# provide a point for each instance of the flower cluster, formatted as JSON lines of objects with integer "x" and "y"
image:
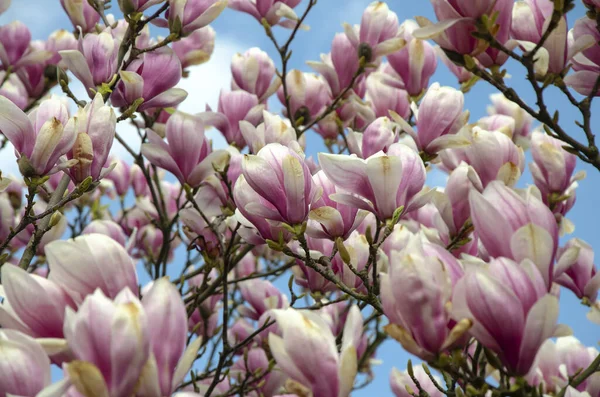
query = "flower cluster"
{"x": 167, "y": 264}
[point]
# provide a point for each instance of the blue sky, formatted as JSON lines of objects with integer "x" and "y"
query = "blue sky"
{"x": 237, "y": 32}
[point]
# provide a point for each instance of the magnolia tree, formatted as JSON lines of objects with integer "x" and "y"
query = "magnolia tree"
{"x": 274, "y": 274}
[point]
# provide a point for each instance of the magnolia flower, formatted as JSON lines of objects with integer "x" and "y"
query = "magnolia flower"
{"x": 41, "y": 137}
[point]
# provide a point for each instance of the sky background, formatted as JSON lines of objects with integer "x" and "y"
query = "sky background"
{"x": 237, "y": 32}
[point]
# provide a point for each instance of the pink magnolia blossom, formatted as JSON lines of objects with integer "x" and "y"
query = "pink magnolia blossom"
{"x": 576, "y": 271}
{"x": 90, "y": 262}
{"x": 515, "y": 225}
{"x": 111, "y": 343}
{"x": 152, "y": 77}
{"x": 306, "y": 336}
{"x": 272, "y": 10}
{"x": 416, "y": 62}
{"x": 280, "y": 176}
{"x": 196, "y": 48}
{"x": 24, "y": 366}
{"x": 382, "y": 182}
{"x": 94, "y": 128}
{"x": 186, "y": 153}
{"x": 40, "y": 138}
{"x": 512, "y": 312}
{"x": 253, "y": 72}
{"x": 81, "y": 14}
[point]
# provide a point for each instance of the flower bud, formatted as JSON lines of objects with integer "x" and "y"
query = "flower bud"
{"x": 309, "y": 95}
{"x": 189, "y": 15}
{"x": 576, "y": 271}
{"x": 273, "y": 129}
{"x": 384, "y": 97}
{"x": 196, "y": 48}
{"x": 81, "y": 14}
{"x": 280, "y": 175}
{"x": 416, "y": 62}
{"x": 95, "y": 60}
{"x": 24, "y": 366}
{"x": 151, "y": 77}
{"x": 94, "y": 127}
{"x": 40, "y": 139}
{"x": 60, "y": 40}
{"x": 187, "y": 152}
{"x": 118, "y": 328}
{"x": 253, "y": 72}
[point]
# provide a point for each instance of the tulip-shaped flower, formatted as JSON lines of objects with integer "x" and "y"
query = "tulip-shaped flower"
{"x": 24, "y": 365}
{"x": 120, "y": 175}
{"x": 111, "y": 343}
{"x": 576, "y": 271}
{"x": 15, "y": 50}
{"x": 328, "y": 218}
{"x": 514, "y": 225}
{"x": 187, "y": 153}
{"x": 95, "y": 61}
{"x": 256, "y": 229}
{"x": 378, "y": 32}
{"x": 523, "y": 120}
{"x": 40, "y": 314}
{"x": 461, "y": 181}
{"x": 458, "y": 19}
{"x": 586, "y": 64}
{"x": 39, "y": 138}
{"x": 196, "y": 48}
{"x": 309, "y": 95}
{"x": 189, "y": 15}
{"x": 388, "y": 181}
{"x": 385, "y": 97}
{"x": 90, "y": 262}
{"x": 557, "y": 362}
{"x": 416, "y": 62}
{"x": 340, "y": 66}
{"x": 511, "y": 310}
{"x": 492, "y": 154}
{"x": 60, "y": 40}
{"x": 167, "y": 331}
{"x": 261, "y": 296}
{"x": 14, "y": 89}
{"x": 273, "y": 129}
{"x": 253, "y": 72}
{"x": 415, "y": 296}
{"x": 400, "y": 380}
{"x": 152, "y": 77}
{"x": 81, "y": 14}
{"x": 439, "y": 119}
{"x": 280, "y": 175}
{"x": 271, "y": 10}
{"x": 530, "y": 19}
{"x": 234, "y": 107}
{"x": 552, "y": 166}
{"x": 306, "y": 351}
{"x": 378, "y": 136}
{"x": 94, "y": 128}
